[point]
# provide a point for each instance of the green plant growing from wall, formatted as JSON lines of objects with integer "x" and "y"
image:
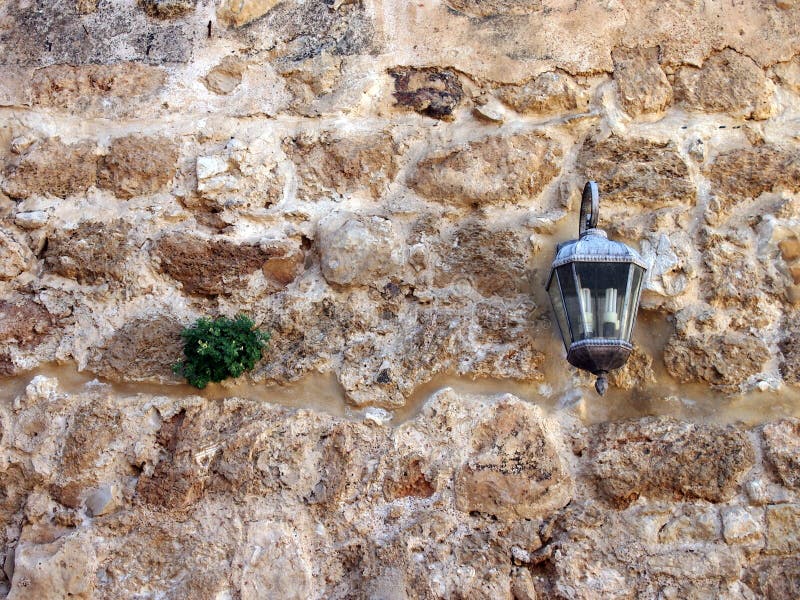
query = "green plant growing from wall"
{"x": 215, "y": 349}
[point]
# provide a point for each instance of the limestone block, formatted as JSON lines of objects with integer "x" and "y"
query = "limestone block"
{"x": 241, "y": 12}
{"x": 242, "y": 175}
{"x": 167, "y": 9}
{"x": 23, "y": 321}
{"x": 509, "y": 169}
{"x": 432, "y": 92}
{"x": 515, "y": 470}
{"x": 135, "y": 166}
{"x": 782, "y": 449}
{"x": 64, "y": 568}
{"x": 92, "y": 253}
{"x": 275, "y": 564}
{"x": 790, "y": 352}
{"x": 118, "y": 88}
{"x": 637, "y": 173}
{"x": 783, "y": 528}
{"x": 51, "y": 168}
{"x": 493, "y": 261}
{"x": 226, "y": 76}
{"x": 637, "y": 373}
{"x": 727, "y": 82}
{"x": 334, "y": 164}
{"x": 661, "y": 457}
{"x": 14, "y": 257}
{"x": 696, "y": 525}
{"x": 142, "y": 349}
{"x": 552, "y": 92}
{"x": 213, "y": 266}
{"x": 774, "y": 578}
{"x": 744, "y": 173}
{"x": 33, "y": 219}
{"x": 642, "y": 85}
{"x": 669, "y": 264}
{"x": 358, "y": 250}
{"x": 742, "y": 526}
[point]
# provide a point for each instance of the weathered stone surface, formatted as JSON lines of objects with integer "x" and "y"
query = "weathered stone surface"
{"x": 142, "y": 349}
{"x": 727, "y": 82}
{"x": 61, "y": 568}
{"x": 637, "y": 373}
{"x": 783, "y": 528}
{"x": 637, "y": 173}
{"x": 52, "y": 168}
{"x": 217, "y": 265}
{"x": 790, "y": 352}
{"x": 774, "y": 578}
{"x": 746, "y": 173}
{"x": 547, "y": 93}
{"x": 242, "y": 12}
{"x": 512, "y": 169}
{"x": 226, "y": 76}
{"x": 725, "y": 360}
{"x": 135, "y": 166}
{"x": 95, "y": 89}
{"x": 91, "y": 253}
{"x": 515, "y": 470}
{"x": 359, "y": 250}
{"x": 243, "y": 175}
{"x": 23, "y": 321}
{"x": 167, "y": 9}
{"x": 742, "y": 526}
{"x": 334, "y": 164}
{"x": 14, "y": 257}
{"x": 493, "y": 261}
{"x": 662, "y": 457}
{"x": 782, "y": 449}
{"x": 432, "y": 92}
{"x": 642, "y": 85}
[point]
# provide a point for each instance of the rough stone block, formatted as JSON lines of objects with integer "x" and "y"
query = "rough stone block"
{"x": 135, "y": 166}
{"x": 783, "y": 528}
{"x": 660, "y": 457}
{"x": 642, "y": 86}
{"x": 51, "y": 168}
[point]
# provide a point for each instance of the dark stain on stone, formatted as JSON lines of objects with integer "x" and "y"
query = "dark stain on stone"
{"x": 431, "y": 92}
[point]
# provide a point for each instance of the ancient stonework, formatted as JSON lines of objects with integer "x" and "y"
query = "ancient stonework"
{"x": 381, "y": 186}
{"x": 511, "y": 169}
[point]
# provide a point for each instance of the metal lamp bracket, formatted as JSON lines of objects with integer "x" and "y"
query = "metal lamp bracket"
{"x": 590, "y": 207}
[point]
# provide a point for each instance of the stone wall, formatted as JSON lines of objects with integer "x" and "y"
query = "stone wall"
{"x": 381, "y": 185}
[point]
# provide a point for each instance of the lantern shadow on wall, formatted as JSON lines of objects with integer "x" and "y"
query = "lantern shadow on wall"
{"x": 594, "y": 286}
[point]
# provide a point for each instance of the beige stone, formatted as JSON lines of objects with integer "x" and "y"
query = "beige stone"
{"x": 359, "y": 251}
{"x": 547, "y": 93}
{"x": 51, "y": 168}
{"x": 96, "y": 89}
{"x": 515, "y": 470}
{"x": 642, "y": 85}
{"x": 727, "y": 82}
{"x": 167, "y": 9}
{"x": 226, "y": 76}
{"x": 333, "y": 164}
{"x": 135, "y": 166}
{"x": 14, "y": 257}
{"x": 92, "y": 253}
{"x": 212, "y": 266}
{"x": 742, "y": 526}
{"x": 242, "y": 176}
{"x": 637, "y": 373}
{"x": 783, "y": 528}
{"x": 23, "y": 321}
{"x": 782, "y": 448}
{"x": 774, "y": 577}
{"x": 143, "y": 349}
{"x": 637, "y": 173}
{"x": 693, "y": 461}
{"x": 790, "y": 352}
{"x": 241, "y": 12}
{"x": 510, "y": 169}
{"x": 746, "y": 173}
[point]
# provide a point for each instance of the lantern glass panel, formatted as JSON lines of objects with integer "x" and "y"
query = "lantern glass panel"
{"x": 554, "y": 289}
{"x": 632, "y": 301}
{"x": 597, "y": 298}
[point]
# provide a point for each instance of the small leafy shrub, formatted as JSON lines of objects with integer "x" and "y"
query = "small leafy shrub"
{"x": 219, "y": 348}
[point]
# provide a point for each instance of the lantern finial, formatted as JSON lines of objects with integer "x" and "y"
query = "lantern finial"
{"x": 601, "y": 385}
{"x": 590, "y": 207}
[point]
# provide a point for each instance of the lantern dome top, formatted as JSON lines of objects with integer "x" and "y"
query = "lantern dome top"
{"x": 594, "y": 246}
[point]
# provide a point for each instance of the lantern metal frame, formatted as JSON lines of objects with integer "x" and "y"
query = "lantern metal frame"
{"x": 596, "y": 353}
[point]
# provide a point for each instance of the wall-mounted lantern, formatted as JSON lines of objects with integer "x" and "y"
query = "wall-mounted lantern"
{"x": 594, "y": 286}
